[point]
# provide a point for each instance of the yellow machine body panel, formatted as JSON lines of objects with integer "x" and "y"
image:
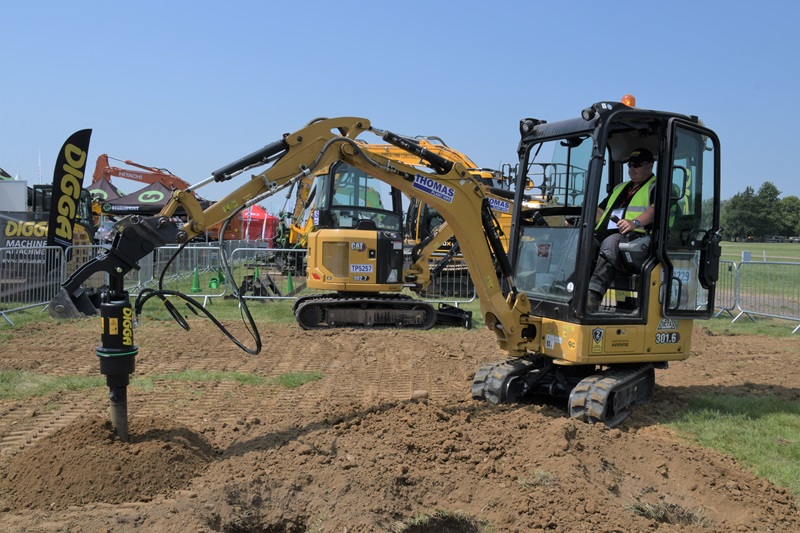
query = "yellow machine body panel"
{"x": 346, "y": 260}
{"x": 667, "y": 339}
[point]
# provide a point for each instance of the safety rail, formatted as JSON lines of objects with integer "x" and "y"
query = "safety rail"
{"x": 259, "y": 272}
{"x": 725, "y": 297}
{"x": 31, "y": 277}
{"x": 769, "y": 289}
{"x": 269, "y": 273}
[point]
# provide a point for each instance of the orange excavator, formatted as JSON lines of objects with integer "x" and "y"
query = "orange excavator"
{"x": 144, "y": 174}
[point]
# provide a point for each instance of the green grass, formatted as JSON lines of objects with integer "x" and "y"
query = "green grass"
{"x": 440, "y": 520}
{"x": 17, "y": 385}
{"x": 33, "y": 315}
{"x": 773, "y": 251}
{"x": 296, "y": 379}
{"x": 763, "y": 433}
{"x": 770, "y": 327}
{"x": 275, "y": 311}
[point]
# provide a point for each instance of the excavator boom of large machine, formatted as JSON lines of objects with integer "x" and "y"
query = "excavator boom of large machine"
{"x": 534, "y": 298}
{"x": 104, "y": 170}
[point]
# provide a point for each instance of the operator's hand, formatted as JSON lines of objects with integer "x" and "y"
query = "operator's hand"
{"x": 625, "y": 226}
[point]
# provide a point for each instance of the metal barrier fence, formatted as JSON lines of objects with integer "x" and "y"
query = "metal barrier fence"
{"x": 769, "y": 289}
{"x": 269, "y": 273}
{"x": 197, "y": 270}
{"x": 31, "y": 277}
{"x": 725, "y": 297}
{"x": 280, "y": 274}
{"x": 452, "y": 284}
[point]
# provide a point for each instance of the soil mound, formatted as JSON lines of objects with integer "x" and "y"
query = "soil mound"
{"x": 518, "y": 468}
{"x": 85, "y": 462}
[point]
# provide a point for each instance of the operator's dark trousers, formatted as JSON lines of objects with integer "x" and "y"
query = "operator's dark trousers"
{"x": 608, "y": 262}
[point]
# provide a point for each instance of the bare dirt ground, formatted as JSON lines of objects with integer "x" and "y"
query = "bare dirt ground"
{"x": 363, "y": 449}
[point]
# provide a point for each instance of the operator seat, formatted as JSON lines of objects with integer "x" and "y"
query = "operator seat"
{"x": 626, "y": 283}
{"x": 366, "y": 224}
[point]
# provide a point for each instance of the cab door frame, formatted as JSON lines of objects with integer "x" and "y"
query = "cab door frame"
{"x": 690, "y": 248}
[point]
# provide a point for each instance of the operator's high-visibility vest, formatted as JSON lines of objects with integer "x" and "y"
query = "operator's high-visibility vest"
{"x": 638, "y": 204}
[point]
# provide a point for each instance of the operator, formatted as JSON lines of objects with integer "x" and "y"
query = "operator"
{"x": 629, "y": 208}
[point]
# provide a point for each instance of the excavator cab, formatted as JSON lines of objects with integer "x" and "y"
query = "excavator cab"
{"x": 350, "y": 198}
{"x": 575, "y": 164}
{"x": 603, "y": 360}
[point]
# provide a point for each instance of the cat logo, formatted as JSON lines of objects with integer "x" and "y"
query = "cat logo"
{"x": 668, "y": 323}
{"x": 358, "y": 246}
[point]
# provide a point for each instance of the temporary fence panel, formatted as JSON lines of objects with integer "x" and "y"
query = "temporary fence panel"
{"x": 196, "y": 269}
{"x": 29, "y": 276}
{"x": 769, "y": 289}
{"x": 725, "y": 297}
{"x": 32, "y": 276}
{"x": 274, "y": 273}
{"x": 451, "y": 284}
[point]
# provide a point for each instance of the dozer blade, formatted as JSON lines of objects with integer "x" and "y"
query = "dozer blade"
{"x": 450, "y": 315}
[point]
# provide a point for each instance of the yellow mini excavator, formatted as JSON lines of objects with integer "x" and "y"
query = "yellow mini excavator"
{"x": 357, "y": 247}
{"x": 600, "y": 359}
{"x": 357, "y": 254}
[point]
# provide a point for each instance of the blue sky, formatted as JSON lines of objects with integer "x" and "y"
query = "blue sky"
{"x": 192, "y": 86}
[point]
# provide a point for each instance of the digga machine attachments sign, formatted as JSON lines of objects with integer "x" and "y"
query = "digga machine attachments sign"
{"x": 67, "y": 184}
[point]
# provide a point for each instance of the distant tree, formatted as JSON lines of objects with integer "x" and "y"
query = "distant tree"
{"x": 736, "y": 216}
{"x": 767, "y": 210}
{"x": 790, "y": 216}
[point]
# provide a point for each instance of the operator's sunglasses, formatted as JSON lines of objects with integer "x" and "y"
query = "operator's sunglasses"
{"x": 635, "y": 165}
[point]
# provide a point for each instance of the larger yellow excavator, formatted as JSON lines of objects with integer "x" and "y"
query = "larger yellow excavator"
{"x": 357, "y": 253}
{"x": 534, "y": 298}
{"x": 357, "y": 248}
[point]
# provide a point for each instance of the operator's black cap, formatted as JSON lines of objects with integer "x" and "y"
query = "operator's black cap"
{"x": 641, "y": 155}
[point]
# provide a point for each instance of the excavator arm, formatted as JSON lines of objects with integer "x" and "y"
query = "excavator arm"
{"x": 420, "y": 268}
{"x": 104, "y": 170}
{"x": 450, "y": 189}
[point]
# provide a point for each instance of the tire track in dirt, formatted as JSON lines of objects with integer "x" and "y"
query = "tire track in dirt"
{"x": 308, "y": 353}
{"x": 189, "y": 403}
{"x": 22, "y": 426}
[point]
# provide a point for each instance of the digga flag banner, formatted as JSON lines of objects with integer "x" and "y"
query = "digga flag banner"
{"x": 67, "y": 185}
